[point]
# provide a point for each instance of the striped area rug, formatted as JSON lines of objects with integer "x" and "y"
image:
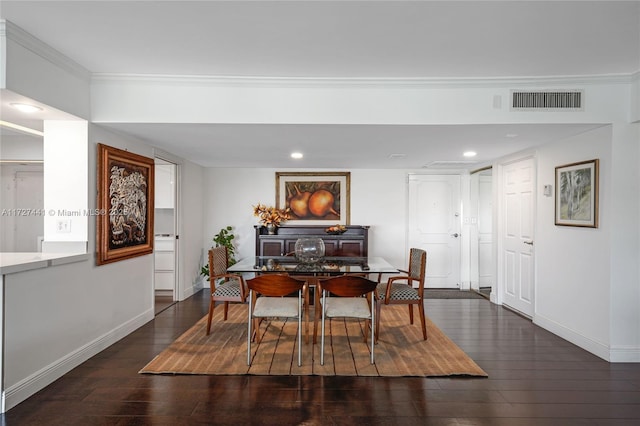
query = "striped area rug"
{"x": 400, "y": 350}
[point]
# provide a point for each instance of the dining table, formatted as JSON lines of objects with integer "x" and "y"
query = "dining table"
{"x": 314, "y": 273}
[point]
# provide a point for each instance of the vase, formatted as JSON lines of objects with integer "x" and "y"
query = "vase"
{"x": 309, "y": 250}
{"x": 272, "y": 229}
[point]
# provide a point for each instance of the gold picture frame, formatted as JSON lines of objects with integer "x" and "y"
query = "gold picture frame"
{"x": 315, "y": 198}
{"x": 576, "y": 201}
{"x": 125, "y": 204}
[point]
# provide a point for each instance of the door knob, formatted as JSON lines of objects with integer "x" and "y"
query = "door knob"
{"x": 456, "y": 235}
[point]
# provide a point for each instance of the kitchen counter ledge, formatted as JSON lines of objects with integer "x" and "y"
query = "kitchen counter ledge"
{"x": 10, "y": 263}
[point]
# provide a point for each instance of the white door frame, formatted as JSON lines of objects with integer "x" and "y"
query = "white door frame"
{"x": 475, "y": 217}
{"x": 498, "y": 222}
{"x": 178, "y": 283}
{"x": 456, "y": 229}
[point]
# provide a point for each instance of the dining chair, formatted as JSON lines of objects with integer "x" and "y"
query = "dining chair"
{"x": 272, "y": 302}
{"x": 348, "y": 296}
{"x": 400, "y": 290}
{"x": 225, "y": 287}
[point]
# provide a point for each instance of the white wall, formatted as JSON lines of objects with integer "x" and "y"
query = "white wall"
{"x": 65, "y": 186}
{"x": 625, "y": 243}
{"x": 33, "y": 69}
{"x": 57, "y": 317}
{"x": 588, "y": 280}
{"x": 192, "y": 195}
{"x": 635, "y": 99}
{"x": 76, "y": 310}
{"x": 220, "y": 100}
{"x": 21, "y": 147}
{"x": 73, "y": 310}
{"x": 378, "y": 199}
{"x": 573, "y": 265}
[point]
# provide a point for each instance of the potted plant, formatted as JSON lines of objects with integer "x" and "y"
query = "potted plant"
{"x": 223, "y": 238}
{"x": 271, "y": 217}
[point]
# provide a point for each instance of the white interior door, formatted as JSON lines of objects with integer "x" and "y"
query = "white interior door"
{"x": 29, "y": 196}
{"x": 485, "y": 231}
{"x": 434, "y": 225}
{"x": 517, "y": 254}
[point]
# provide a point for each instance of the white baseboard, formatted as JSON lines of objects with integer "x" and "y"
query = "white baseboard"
{"x": 47, "y": 375}
{"x": 196, "y": 286}
{"x": 597, "y": 348}
{"x": 625, "y": 354}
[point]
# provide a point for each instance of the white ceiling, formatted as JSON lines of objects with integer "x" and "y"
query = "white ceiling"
{"x": 346, "y": 39}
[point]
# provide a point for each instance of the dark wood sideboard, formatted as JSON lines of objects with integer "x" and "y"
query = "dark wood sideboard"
{"x": 353, "y": 243}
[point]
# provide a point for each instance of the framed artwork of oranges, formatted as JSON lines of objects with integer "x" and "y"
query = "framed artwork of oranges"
{"x": 315, "y": 198}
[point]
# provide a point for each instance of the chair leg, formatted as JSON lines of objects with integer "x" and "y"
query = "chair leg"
{"x": 299, "y": 329}
{"x": 212, "y": 305}
{"x": 373, "y": 330}
{"x": 249, "y": 333}
{"x": 226, "y": 310}
{"x": 322, "y": 331}
{"x": 410, "y": 314}
{"x": 378, "y": 307}
{"x": 422, "y": 320}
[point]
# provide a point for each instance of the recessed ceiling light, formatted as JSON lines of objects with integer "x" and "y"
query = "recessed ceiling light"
{"x": 470, "y": 154}
{"x": 26, "y": 107}
{"x": 397, "y": 156}
{"x": 296, "y": 155}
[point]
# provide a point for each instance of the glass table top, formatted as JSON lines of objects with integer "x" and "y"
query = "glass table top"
{"x": 337, "y": 265}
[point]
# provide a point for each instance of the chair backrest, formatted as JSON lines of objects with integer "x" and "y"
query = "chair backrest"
{"x": 417, "y": 265}
{"x": 218, "y": 261}
{"x": 275, "y": 285}
{"x": 348, "y": 285}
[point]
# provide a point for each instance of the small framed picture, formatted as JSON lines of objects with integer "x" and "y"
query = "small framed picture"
{"x": 577, "y": 194}
{"x": 315, "y": 198}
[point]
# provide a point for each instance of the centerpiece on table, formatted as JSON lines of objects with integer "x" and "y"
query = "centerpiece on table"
{"x": 271, "y": 217}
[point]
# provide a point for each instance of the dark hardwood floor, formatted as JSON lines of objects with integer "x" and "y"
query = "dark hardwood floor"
{"x": 162, "y": 303}
{"x": 535, "y": 378}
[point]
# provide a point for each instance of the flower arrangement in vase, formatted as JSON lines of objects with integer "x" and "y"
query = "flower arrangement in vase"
{"x": 271, "y": 217}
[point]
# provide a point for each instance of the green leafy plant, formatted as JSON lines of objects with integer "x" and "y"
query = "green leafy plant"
{"x": 223, "y": 238}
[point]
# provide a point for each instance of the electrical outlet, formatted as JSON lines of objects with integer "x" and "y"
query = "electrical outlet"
{"x": 63, "y": 226}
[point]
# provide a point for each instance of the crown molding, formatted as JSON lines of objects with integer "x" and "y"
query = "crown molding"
{"x": 18, "y": 35}
{"x": 312, "y": 82}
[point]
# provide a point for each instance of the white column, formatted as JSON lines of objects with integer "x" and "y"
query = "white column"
{"x": 65, "y": 186}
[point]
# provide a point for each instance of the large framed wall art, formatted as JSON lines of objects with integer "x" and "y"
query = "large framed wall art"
{"x": 577, "y": 194}
{"x": 125, "y": 205}
{"x": 315, "y": 198}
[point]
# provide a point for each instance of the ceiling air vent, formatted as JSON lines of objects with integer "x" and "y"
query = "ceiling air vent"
{"x": 536, "y": 100}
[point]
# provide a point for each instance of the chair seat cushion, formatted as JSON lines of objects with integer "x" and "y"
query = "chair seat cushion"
{"x": 276, "y": 307}
{"x": 355, "y": 307}
{"x": 228, "y": 289}
{"x": 399, "y": 291}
